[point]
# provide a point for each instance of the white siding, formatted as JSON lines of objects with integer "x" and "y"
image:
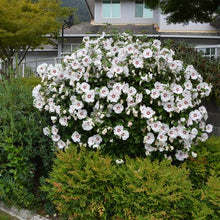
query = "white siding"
{"x": 128, "y": 17}
{"x": 127, "y": 14}
{"x": 163, "y": 26}
{"x": 157, "y": 17}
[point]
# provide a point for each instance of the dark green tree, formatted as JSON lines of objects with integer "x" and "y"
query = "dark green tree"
{"x": 183, "y": 11}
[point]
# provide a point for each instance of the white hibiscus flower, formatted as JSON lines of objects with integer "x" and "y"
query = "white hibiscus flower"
{"x": 147, "y": 53}
{"x": 63, "y": 121}
{"x": 124, "y": 135}
{"x": 87, "y": 125}
{"x": 137, "y": 62}
{"x": 168, "y": 106}
{"x": 146, "y": 112}
{"x": 89, "y": 96}
{"x": 118, "y": 108}
{"x": 181, "y": 156}
{"x": 162, "y": 137}
{"x": 149, "y": 138}
{"x": 75, "y": 64}
{"x": 81, "y": 114}
{"x": 84, "y": 87}
{"x": 209, "y": 128}
{"x": 61, "y": 144}
{"x": 104, "y": 91}
{"x": 76, "y": 137}
{"x": 118, "y": 130}
{"x": 155, "y": 93}
{"x": 113, "y": 96}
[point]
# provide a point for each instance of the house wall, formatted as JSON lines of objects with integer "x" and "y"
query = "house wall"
{"x": 69, "y": 44}
{"x": 128, "y": 17}
{"x": 127, "y": 14}
{"x": 163, "y": 26}
{"x": 156, "y": 17}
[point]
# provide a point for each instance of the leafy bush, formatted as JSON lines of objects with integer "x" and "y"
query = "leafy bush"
{"x": 25, "y": 154}
{"x": 125, "y": 96}
{"x": 211, "y": 195}
{"x": 204, "y": 174}
{"x": 87, "y": 185}
{"x": 207, "y": 162}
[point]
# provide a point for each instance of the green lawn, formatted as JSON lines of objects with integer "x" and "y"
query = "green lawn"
{"x": 4, "y": 216}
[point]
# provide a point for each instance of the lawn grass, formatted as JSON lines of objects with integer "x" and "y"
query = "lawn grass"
{"x": 4, "y": 216}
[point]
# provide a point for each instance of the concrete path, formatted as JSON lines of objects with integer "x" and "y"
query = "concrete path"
{"x": 20, "y": 214}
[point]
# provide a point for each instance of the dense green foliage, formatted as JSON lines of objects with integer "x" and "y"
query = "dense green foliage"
{"x": 87, "y": 185}
{"x": 204, "y": 174}
{"x": 208, "y": 68}
{"x": 207, "y": 163}
{"x": 81, "y": 9}
{"x": 197, "y": 10}
{"x": 25, "y": 153}
{"x": 24, "y": 25}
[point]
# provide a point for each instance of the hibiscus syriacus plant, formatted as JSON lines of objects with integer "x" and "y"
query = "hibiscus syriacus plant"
{"x": 125, "y": 95}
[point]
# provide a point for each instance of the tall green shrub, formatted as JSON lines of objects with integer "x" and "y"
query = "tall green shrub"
{"x": 25, "y": 154}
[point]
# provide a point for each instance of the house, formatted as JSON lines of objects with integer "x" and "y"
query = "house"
{"x": 133, "y": 15}
{"x": 124, "y": 15}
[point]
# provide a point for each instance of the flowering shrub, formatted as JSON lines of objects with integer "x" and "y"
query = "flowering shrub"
{"x": 126, "y": 96}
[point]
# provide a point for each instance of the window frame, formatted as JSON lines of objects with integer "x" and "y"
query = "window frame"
{"x": 144, "y": 9}
{"x": 210, "y": 55}
{"x": 111, "y": 17}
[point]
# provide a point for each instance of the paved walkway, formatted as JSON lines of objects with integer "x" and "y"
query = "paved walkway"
{"x": 20, "y": 214}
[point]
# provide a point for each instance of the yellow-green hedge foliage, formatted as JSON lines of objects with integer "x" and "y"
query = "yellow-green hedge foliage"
{"x": 88, "y": 185}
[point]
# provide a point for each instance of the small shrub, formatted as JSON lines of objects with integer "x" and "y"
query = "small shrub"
{"x": 206, "y": 163}
{"x": 87, "y": 185}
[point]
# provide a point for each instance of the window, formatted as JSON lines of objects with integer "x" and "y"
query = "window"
{"x": 111, "y": 9}
{"x": 210, "y": 52}
{"x": 142, "y": 11}
{"x": 68, "y": 48}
